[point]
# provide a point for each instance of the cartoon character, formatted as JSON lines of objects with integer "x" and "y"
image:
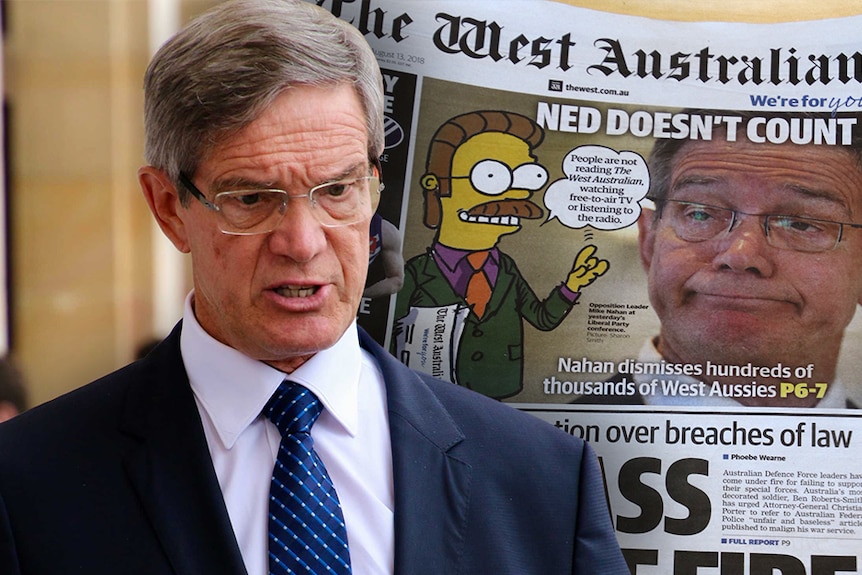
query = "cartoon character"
{"x": 480, "y": 175}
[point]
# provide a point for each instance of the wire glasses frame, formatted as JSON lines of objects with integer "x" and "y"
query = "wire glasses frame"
{"x": 252, "y": 212}
{"x": 696, "y": 222}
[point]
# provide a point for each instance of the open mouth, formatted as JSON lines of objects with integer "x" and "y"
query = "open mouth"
{"x": 501, "y": 212}
{"x": 296, "y": 291}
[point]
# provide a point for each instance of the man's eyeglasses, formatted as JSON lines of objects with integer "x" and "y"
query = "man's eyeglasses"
{"x": 250, "y": 212}
{"x": 694, "y": 222}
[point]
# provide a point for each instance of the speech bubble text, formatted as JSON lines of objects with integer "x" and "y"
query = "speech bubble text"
{"x": 601, "y": 189}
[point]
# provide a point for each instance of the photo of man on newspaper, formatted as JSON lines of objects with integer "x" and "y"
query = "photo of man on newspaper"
{"x": 753, "y": 256}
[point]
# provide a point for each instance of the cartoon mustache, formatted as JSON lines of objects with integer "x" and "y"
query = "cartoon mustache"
{"x": 520, "y": 208}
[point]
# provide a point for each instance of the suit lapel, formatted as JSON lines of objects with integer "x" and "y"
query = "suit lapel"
{"x": 434, "y": 284}
{"x": 505, "y": 278}
{"x": 168, "y": 463}
{"x": 432, "y": 487}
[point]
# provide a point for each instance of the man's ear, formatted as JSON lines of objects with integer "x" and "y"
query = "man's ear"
{"x": 431, "y": 188}
{"x": 646, "y": 236}
{"x": 164, "y": 202}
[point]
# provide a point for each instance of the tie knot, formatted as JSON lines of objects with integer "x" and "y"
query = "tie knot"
{"x": 477, "y": 259}
{"x": 292, "y": 408}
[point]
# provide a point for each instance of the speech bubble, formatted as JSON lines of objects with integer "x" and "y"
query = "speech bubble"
{"x": 602, "y": 189}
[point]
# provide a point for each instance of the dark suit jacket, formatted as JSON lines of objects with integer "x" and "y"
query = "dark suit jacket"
{"x": 116, "y": 478}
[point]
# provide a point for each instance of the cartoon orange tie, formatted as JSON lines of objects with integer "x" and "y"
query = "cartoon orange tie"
{"x": 478, "y": 288}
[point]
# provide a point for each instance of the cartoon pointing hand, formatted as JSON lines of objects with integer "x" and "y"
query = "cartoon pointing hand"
{"x": 586, "y": 269}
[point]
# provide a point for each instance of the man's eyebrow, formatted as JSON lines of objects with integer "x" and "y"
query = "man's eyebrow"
{"x": 246, "y": 183}
{"x": 819, "y": 195}
{"x": 240, "y": 183}
{"x": 694, "y": 180}
{"x": 355, "y": 171}
{"x": 822, "y": 197}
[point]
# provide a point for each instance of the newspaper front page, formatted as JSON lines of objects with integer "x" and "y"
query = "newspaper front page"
{"x": 646, "y": 233}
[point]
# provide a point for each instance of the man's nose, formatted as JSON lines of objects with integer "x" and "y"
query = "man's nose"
{"x": 745, "y": 248}
{"x": 299, "y": 235}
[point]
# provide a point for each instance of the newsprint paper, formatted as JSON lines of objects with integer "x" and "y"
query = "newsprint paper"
{"x": 648, "y": 234}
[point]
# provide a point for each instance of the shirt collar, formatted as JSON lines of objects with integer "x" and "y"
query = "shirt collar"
{"x": 454, "y": 256}
{"x": 234, "y": 388}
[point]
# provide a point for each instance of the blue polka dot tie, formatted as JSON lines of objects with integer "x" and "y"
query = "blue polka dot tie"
{"x": 306, "y": 528}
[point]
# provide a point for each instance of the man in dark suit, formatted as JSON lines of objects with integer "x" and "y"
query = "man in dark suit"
{"x": 176, "y": 464}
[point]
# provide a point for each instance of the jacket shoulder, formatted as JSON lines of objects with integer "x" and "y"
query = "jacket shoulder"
{"x": 94, "y": 412}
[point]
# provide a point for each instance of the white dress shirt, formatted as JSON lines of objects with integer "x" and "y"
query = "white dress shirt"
{"x": 351, "y": 436}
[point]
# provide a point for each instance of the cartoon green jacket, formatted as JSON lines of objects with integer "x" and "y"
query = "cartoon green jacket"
{"x": 490, "y": 354}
